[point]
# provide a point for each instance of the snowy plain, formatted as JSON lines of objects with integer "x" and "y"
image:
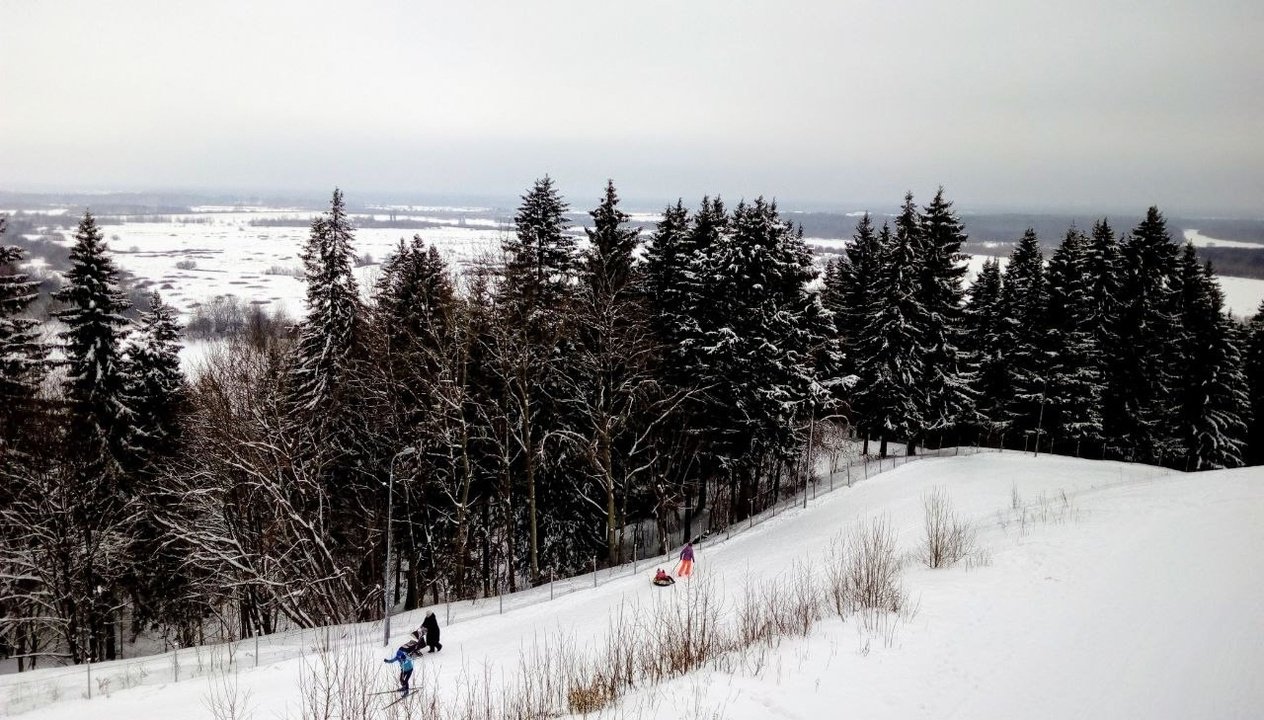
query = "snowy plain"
{"x": 221, "y": 251}
{"x": 195, "y": 257}
{"x": 1127, "y": 591}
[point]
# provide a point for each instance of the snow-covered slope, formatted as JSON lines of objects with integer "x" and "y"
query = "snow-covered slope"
{"x": 1117, "y": 591}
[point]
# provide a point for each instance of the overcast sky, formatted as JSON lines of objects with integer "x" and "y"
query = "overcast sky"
{"x": 1009, "y": 104}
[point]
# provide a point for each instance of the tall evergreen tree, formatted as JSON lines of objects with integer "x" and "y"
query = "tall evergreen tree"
{"x": 422, "y": 389}
{"x": 682, "y": 316}
{"x": 1253, "y": 362}
{"x": 664, "y": 280}
{"x": 760, "y": 340}
{"x": 22, "y": 356}
{"x": 158, "y": 578}
{"x": 942, "y": 270}
{"x": 541, "y": 259}
{"x": 888, "y": 396}
{"x": 607, "y": 265}
{"x": 1073, "y": 398}
{"x": 96, "y": 382}
{"x": 857, "y": 277}
{"x": 987, "y": 331}
{"x": 96, "y": 389}
{"x": 537, "y": 294}
{"x": 158, "y": 386}
{"x": 1210, "y": 387}
{"x": 1104, "y": 267}
{"x": 1139, "y": 401}
{"x": 614, "y": 387}
{"x": 671, "y": 297}
{"x": 329, "y": 415}
{"x": 1023, "y": 304}
{"x": 328, "y": 341}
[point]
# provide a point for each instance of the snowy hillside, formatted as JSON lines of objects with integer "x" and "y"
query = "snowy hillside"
{"x": 1096, "y": 589}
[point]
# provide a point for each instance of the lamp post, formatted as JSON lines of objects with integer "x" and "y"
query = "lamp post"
{"x": 1040, "y": 421}
{"x": 386, "y": 570}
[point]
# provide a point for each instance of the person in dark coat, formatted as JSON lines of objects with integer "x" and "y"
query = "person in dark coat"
{"x": 431, "y": 625}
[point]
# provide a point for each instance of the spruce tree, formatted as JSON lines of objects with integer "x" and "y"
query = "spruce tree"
{"x": 684, "y": 350}
{"x": 612, "y": 383}
{"x": 1104, "y": 267}
{"x": 1073, "y": 399}
{"x": 157, "y": 383}
{"x": 541, "y": 259}
{"x": 96, "y": 383}
{"x": 537, "y": 296}
{"x": 1023, "y": 304}
{"x": 888, "y": 397}
{"x": 329, "y": 421}
{"x": 988, "y": 343}
{"x": 328, "y": 340}
{"x": 607, "y": 265}
{"x": 158, "y": 578}
{"x": 414, "y": 300}
{"x": 1210, "y": 388}
{"x": 419, "y": 393}
{"x": 942, "y": 269}
{"x": 1139, "y": 400}
{"x": 908, "y": 231}
{"x": 22, "y": 356}
{"x": 664, "y": 280}
{"x": 668, "y": 289}
{"x": 761, "y": 340}
{"x": 1253, "y": 362}
{"x": 857, "y": 278}
{"x": 96, "y": 388}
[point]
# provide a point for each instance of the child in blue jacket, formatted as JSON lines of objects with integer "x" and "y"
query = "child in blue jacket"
{"x": 405, "y": 668}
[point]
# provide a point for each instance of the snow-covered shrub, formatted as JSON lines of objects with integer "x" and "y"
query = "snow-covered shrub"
{"x": 948, "y": 539}
{"x": 226, "y": 699}
{"x": 340, "y": 684}
{"x": 871, "y": 572}
{"x": 186, "y": 264}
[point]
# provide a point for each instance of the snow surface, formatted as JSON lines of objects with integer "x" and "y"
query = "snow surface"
{"x": 1199, "y": 240}
{"x": 1136, "y": 596}
{"x": 1242, "y": 295}
{"x": 260, "y": 265}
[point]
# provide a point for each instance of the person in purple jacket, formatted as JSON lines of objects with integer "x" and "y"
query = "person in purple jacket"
{"x": 685, "y": 568}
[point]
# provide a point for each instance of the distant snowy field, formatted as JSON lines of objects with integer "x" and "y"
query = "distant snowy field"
{"x": 222, "y": 253}
{"x": 1127, "y": 591}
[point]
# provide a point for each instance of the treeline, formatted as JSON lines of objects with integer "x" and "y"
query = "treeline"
{"x": 1117, "y": 347}
{"x": 548, "y": 406}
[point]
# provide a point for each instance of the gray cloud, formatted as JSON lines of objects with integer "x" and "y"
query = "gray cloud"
{"x": 1104, "y": 104}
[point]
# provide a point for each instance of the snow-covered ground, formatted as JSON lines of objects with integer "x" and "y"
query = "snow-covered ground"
{"x": 1242, "y": 295}
{"x": 1126, "y": 592}
{"x": 1199, "y": 240}
{"x": 197, "y": 257}
{"x": 223, "y": 254}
